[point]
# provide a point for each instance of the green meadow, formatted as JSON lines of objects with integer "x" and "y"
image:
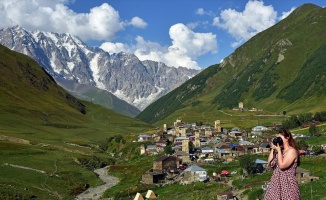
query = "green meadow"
{"x": 39, "y": 158}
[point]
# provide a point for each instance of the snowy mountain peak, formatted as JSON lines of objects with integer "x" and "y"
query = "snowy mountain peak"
{"x": 139, "y": 83}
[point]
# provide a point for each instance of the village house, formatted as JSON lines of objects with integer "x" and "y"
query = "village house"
{"x": 159, "y": 135}
{"x": 236, "y": 129}
{"x": 171, "y": 132}
{"x": 160, "y": 166}
{"x": 165, "y": 163}
{"x": 194, "y": 173}
{"x": 227, "y": 138}
{"x": 238, "y": 151}
{"x": 160, "y": 148}
{"x": 261, "y": 166}
{"x": 144, "y": 137}
{"x": 189, "y": 134}
{"x": 183, "y": 157}
{"x": 265, "y": 147}
{"x": 192, "y": 138}
{"x": 162, "y": 142}
{"x": 208, "y": 132}
{"x": 177, "y": 123}
{"x": 235, "y": 134}
{"x": 177, "y": 148}
{"x": 155, "y": 138}
{"x": 207, "y": 152}
{"x": 178, "y": 140}
{"x": 258, "y": 130}
{"x": 303, "y": 176}
{"x": 151, "y": 149}
{"x": 248, "y": 146}
{"x": 204, "y": 142}
{"x": 311, "y": 123}
{"x": 223, "y": 150}
{"x": 152, "y": 177}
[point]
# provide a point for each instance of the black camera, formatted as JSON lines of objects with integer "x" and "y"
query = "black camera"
{"x": 278, "y": 140}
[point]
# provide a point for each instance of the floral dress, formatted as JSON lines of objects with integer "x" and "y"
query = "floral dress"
{"x": 283, "y": 184}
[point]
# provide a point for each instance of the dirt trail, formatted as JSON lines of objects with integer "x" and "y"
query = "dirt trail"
{"x": 14, "y": 139}
{"x": 96, "y": 192}
{"x": 238, "y": 193}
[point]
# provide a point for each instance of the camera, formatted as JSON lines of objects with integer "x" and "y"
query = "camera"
{"x": 278, "y": 140}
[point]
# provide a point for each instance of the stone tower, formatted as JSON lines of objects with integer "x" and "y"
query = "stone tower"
{"x": 164, "y": 128}
{"x": 185, "y": 146}
{"x": 240, "y": 106}
{"x": 182, "y": 131}
{"x": 142, "y": 149}
{"x": 197, "y": 139}
{"x": 217, "y": 126}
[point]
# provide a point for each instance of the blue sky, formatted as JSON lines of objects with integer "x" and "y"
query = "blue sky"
{"x": 189, "y": 33}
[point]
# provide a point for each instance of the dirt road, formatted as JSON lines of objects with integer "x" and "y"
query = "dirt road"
{"x": 94, "y": 193}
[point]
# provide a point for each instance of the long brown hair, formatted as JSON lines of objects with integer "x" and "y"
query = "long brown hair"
{"x": 288, "y": 135}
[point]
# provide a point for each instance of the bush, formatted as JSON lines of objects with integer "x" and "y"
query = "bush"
{"x": 247, "y": 162}
{"x": 91, "y": 163}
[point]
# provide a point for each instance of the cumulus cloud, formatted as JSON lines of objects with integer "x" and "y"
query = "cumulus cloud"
{"x": 186, "y": 47}
{"x": 100, "y": 23}
{"x": 285, "y": 14}
{"x": 138, "y": 22}
{"x": 255, "y": 18}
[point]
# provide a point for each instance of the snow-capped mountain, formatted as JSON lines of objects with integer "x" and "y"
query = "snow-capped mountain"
{"x": 137, "y": 82}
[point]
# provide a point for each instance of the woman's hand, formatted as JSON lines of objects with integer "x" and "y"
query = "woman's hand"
{"x": 276, "y": 148}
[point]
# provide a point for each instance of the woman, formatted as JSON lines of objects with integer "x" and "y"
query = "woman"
{"x": 284, "y": 160}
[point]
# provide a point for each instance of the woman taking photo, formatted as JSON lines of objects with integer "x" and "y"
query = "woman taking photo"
{"x": 284, "y": 159}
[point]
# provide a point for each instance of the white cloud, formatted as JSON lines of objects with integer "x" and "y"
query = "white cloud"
{"x": 101, "y": 23}
{"x": 193, "y": 25}
{"x": 285, "y": 14}
{"x": 114, "y": 47}
{"x": 186, "y": 47}
{"x": 187, "y": 42}
{"x": 236, "y": 43}
{"x": 255, "y": 18}
{"x": 200, "y": 11}
{"x": 138, "y": 22}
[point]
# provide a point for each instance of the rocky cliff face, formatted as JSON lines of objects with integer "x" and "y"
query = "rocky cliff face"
{"x": 124, "y": 75}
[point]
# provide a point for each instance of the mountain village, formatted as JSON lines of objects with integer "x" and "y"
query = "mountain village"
{"x": 193, "y": 146}
{"x": 110, "y": 99}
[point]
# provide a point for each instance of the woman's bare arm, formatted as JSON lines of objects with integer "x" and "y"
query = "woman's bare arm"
{"x": 289, "y": 157}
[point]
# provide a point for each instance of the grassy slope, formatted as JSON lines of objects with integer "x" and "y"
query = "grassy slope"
{"x": 252, "y": 75}
{"x": 34, "y": 108}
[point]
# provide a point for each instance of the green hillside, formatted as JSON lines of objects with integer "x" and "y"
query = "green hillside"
{"x": 279, "y": 69}
{"x": 98, "y": 96}
{"x": 44, "y": 131}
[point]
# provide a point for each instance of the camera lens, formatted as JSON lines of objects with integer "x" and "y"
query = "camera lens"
{"x": 278, "y": 140}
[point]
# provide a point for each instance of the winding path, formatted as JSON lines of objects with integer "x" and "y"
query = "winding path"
{"x": 93, "y": 193}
